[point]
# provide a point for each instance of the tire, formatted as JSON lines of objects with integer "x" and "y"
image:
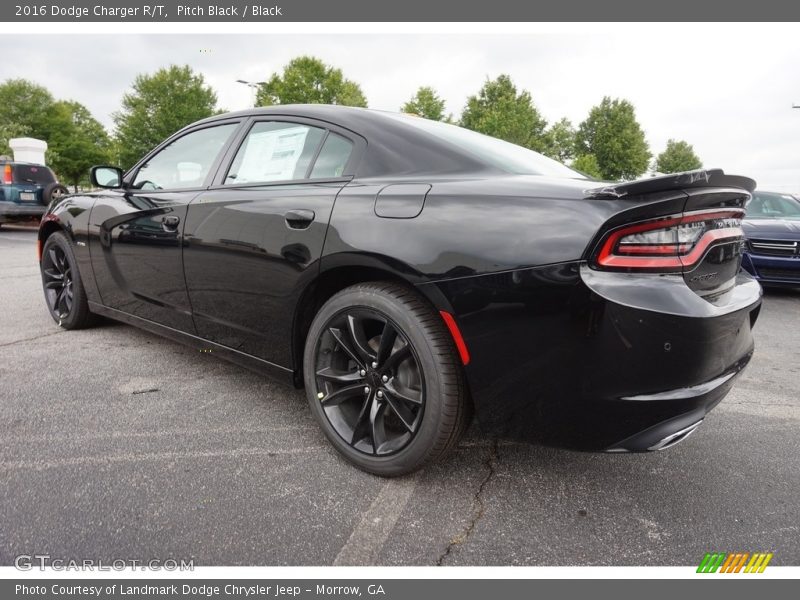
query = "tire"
{"x": 66, "y": 303}
{"x": 54, "y": 191}
{"x": 384, "y": 380}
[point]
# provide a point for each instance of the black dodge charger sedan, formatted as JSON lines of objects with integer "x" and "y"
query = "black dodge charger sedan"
{"x": 410, "y": 274}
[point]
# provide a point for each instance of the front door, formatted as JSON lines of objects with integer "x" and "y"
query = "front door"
{"x": 136, "y": 241}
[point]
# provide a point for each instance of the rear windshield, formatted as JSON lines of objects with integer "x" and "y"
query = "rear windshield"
{"x": 497, "y": 153}
{"x": 773, "y": 206}
{"x": 32, "y": 174}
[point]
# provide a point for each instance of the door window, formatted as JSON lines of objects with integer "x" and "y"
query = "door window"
{"x": 275, "y": 151}
{"x": 333, "y": 157}
{"x": 185, "y": 163}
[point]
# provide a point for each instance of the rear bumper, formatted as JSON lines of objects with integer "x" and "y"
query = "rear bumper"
{"x": 669, "y": 432}
{"x": 599, "y": 361}
{"x": 11, "y": 211}
{"x": 773, "y": 270}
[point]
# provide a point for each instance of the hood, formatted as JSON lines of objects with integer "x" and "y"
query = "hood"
{"x": 781, "y": 228}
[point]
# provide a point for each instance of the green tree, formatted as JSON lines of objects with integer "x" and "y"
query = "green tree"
{"x": 77, "y": 141}
{"x": 159, "y": 105}
{"x": 10, "y": 131}
{"x": 587, "y": 164}
{"x": 502, "y": 112}
{"x": 560, "y": 141}
{"x": 308, "y": 80}
{"x": 24, "y": 110}
{"x": 612, "y": 134}
{"x": 426, "y": 103}
{"x": 679, "y": 156}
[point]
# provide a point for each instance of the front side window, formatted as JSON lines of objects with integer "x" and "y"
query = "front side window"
{"x": 275, "y": 151}
{"x": 186, "y": 162}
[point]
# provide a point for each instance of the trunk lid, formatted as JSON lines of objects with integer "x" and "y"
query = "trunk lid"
{"x": 695, "y": 230}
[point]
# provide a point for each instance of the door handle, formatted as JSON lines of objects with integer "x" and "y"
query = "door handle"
{"x": 170, "y": 223}
{"x": 299, "y": 218}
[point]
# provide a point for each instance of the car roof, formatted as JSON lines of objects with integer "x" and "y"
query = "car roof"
{"x": 345, "y": 116}
{"x": 21, "y": 162}
{"x": 395, "y": 147}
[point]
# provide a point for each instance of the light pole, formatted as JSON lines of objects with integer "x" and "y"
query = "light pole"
{"x": 253, "y": 85}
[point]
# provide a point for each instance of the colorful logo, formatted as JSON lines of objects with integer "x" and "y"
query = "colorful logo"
{"x": 734, "y": 562}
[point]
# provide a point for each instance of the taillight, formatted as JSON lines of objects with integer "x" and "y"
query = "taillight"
{"x": 8, "y": 178}
{"x": 670, "y": 243}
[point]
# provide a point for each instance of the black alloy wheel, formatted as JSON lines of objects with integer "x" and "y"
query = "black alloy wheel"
{"x": 384, "y": 379}
{"x": 63, "y": 290}
{"x": 369, "y": 382}
{"x": 57, "y": 279}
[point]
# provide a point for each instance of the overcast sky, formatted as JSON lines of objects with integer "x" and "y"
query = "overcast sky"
{"x": 728, "y": 94}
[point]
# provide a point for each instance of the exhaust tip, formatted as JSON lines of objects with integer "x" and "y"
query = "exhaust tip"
{"x": 651, "y": 441}
{"x": 675, "y": 438}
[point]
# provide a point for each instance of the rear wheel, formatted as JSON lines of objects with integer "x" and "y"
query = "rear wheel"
{"x": 384, "y": 380}
{"x": 63, "y": 288}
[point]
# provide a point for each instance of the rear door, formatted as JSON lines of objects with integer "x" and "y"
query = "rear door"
{"x": 253, "y": 241}
{"x": 137, "y": 235}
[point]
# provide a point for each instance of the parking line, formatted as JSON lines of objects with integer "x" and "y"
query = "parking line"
{"x": 103, "y": 460}
{"x": 367, "y": 539}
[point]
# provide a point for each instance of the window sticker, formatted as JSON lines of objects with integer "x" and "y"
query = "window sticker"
{"x": 272, "y": 155}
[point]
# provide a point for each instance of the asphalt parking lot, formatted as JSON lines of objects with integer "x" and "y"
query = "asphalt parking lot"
{"x": 119, "y": 444}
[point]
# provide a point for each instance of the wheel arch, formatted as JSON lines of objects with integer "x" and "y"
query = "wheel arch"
{"x": 70, "y": 215}
{"x": 334, "y": 278}
{"x": 48, "y": 227}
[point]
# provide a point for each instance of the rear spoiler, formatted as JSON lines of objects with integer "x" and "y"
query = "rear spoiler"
{"x": 715, "y": 178}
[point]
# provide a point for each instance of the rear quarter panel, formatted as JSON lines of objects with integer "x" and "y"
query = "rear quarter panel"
{"x": 467, "y": 227}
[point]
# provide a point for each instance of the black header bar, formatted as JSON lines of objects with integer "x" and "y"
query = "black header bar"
{"x": 176, "y": 11}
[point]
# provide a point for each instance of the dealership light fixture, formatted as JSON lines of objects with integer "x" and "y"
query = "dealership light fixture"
{"x": 253, "y": 85}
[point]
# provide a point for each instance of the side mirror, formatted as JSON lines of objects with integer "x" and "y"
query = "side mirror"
{"x": 106, "y": 177}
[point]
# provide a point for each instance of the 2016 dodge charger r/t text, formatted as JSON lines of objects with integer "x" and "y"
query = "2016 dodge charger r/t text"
{"x": 409, "y": 273}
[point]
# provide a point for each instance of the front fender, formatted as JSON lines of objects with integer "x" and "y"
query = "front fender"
{"x": 70, "y": 215}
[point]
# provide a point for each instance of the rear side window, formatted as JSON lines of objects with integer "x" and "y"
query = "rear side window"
{"x": 275, "y": 151}
{"x": 333, "y": 157}
{"x": 33, "y": 174}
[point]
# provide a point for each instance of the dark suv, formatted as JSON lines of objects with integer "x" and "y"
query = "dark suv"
{"x": 25, "y": 190}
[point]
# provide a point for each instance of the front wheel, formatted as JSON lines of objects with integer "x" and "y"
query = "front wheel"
{"x": 384, "y": 379}
{"x": 63, "y": 287}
